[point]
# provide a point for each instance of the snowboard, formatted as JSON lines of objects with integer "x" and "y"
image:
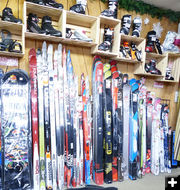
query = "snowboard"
{"x": 16, "y": 133}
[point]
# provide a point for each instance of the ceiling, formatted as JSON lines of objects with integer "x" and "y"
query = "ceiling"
{"x": 166, "y": 4}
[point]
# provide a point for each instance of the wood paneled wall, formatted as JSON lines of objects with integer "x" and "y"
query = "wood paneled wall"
{"x": 82, "y": 59}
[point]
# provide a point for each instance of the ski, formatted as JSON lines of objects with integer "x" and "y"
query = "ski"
{"x": 47, "y": 119}
{"x": 1, "y": 76}
{"x": 34, "y": 116}
{"x": 107, "y": 105}
{"x": 126, "y": 111}
{"x": 41, "y": 119}
{"x": 53, "y": 119}
{"x": 86, "y": 131}
{"x": 150, "y": 96}
{"x": 133, "y": 130}
{"x": 98, "y": 120}
{"x": 59, "y": 119}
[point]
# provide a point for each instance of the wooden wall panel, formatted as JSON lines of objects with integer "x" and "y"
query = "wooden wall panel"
{"x": 82, "y": 59}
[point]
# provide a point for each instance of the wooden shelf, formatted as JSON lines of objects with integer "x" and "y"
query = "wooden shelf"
{"x": 31, "y": 35}
{"x": 109, "y": 21}
{"x": 148, "y": 74}
{"x": 168, "y": 81}
{"x": 131, "y": 38}
{"x": 80, "y": 19}
{"x": 104, "y": 54}
{"x": 11, "y": 27}
{"x": 44, "y": 10}
{"x": 78, "y": 42}
{"x": 10, "y": 54}
{"x": 35, "y": 36}
{"x": 171, "y": 54}
{"x": 154, "y": 56}
{"x": 121, "y": 59}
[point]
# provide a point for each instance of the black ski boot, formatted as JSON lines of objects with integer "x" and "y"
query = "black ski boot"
{"x": 126, "y": 24}
{"x": 137, "y": 24}
{"x": 48, "y": 28}
{"x": 136, "y": 52}
{"x": 40, "y": 2}
{"x": 54, "y": 4}
{"x": 32, "y": 24}
{"x": 112, "y": 9}
{"x": 158, "y": 46}
{"x": 108, "y": 38}
{"x": 7, "y": 15}
{"x": 151, "y": 68}
{"x": 151, "y": 39}
{"x": 80, "y": 7}
{"x": 168, "y": 74}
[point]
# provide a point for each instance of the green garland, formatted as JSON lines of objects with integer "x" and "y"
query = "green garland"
{"x": 144, "y": 8}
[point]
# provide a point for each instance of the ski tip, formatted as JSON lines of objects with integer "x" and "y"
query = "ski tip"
{"x": 32, "y": 52}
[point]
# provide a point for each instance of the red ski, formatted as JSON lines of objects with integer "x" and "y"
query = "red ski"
{"x": 34, "y": 115}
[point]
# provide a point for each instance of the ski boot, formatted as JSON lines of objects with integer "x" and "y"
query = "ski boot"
{"x": 48, "y": 28}
{"x": 80, "y": 7}
{"x": 112, "y": 9}
{"x": 123, "y": 52}
{"x": 151, "y": 39}
{"x": 80, "y": 35}
{"x": 137, "y": 24}
{"x": 127, "y": 49}
{"x": 32, "y": 24}
{"x": 136, "y": 54}
{"x": 126, "y": 24}
{"x": 108, "y": 38}
{"x": 158, "y": 46}
{"x": 151, "y": 68}
{"x": 168, "y": 44}
{"x": 40, "y": 2}
{"x": 68, "y": 33}
{"x": 54, "y": 4}
{"x": 7, "y": 15}
{"x": 168, "y": 74}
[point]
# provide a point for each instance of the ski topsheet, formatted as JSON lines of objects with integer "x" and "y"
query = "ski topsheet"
{"x": 53, "y": 120}
{"x": 41, "y": 118}
{"x": 60, "y": 130}
{"x": 126, "y": 111}
{"x": 86, "y": 129}
{"x": 16, "y": 130}
{"x": 97, "y": 121}
{"x": 107, "y": 105}
{"x": 133, "y": 130}
{"x": 1, "y": 76}
{"x": 34, "y": 116}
